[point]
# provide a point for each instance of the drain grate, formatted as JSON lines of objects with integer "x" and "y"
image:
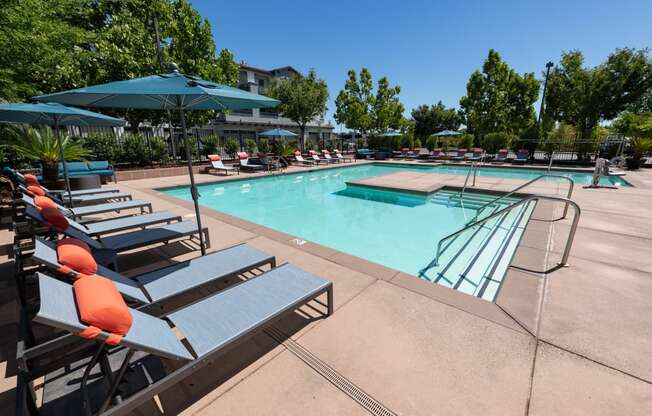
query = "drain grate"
{"x": 372, "y": 405}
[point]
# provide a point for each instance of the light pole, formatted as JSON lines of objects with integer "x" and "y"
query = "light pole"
{"x": 549, "y": 66}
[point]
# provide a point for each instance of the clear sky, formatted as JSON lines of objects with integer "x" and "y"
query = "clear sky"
{"x": 429, "y": 48}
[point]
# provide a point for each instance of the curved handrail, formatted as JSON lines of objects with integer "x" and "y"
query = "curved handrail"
{"x": 567, "y": 201}
{"x": 474, "y": 169}
{"x": 571, "y": 186}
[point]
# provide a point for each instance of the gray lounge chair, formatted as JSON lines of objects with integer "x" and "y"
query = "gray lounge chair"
{"x": 243, "y": 311}
{"x": 100, "y": 228}
{"x": 64, "y": 200}
{"x": 79, "y": 192}
{"x": 79, "y": 212}
{"x": 161, "y": 285}
{"x": 246, "y": 165}
{"x": 218, "y": 165}
{"x": 106, "y": 248}
{"x": 299, "y": 158}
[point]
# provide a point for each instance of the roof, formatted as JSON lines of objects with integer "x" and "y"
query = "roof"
{"x": 270, "y": 72}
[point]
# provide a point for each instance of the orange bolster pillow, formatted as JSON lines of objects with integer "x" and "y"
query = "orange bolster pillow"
{"x": 30, "y": 179}
{"x": 214, "y": 158}
{"x": 44, "y": 202}
{"x": 76, "y": 255}
{"x": 297, "y": 153}
{"x": 53, "y": 217}
{"x": 101, "y": 306}
{"x": 243, "y": 155}
{"x": 35, "y": 190}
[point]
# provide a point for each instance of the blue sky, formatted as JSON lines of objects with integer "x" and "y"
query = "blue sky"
{"x": 429, "y": 48}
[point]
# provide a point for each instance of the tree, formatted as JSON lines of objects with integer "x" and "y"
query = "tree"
{"x": 498, "y": 99}
{"x": 359, "y": 109}
{"x": 302, "y": 99}
{"x": 54, "y": 45}
{"x": 433, "y": 119}
{"x": 583, "y": 97}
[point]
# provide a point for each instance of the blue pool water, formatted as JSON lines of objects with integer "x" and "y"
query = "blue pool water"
{"x": 394, "y": 229}
{"x": 399, "y": 234}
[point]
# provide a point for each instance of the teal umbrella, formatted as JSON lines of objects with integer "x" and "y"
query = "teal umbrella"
{"x": 173, "y": 91}
{"x": 391, "y": 134}
{"x": 54, "y": 114}
{"x": 444, "y": 133}
{"x": 277, "y": 133}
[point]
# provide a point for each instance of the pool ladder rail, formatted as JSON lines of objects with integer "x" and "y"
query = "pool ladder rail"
{"x": 510, "y": 231}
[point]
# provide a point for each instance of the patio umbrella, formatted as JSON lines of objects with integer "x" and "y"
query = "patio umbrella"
{"x": 444, "y": 133}
{"x": 277, "y": 133}
{"x": 56, "y": 115}
{"x": 391, "y": 134}
{"x": 173, "y": 91}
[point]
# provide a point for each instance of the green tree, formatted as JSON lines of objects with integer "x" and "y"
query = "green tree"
{"x": 359, "y": 109}
{"x": 302, "y": 99}
{"x": 433, "y": 119}
{"x": 499, "y": 99}
{"x": 583, "y": 96}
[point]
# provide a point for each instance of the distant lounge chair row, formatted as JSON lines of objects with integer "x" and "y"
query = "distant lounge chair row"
{"x": 314, "y": 157}
{"x": 159, "y": 326}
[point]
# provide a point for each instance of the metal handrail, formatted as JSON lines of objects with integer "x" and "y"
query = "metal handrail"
{"x": 518, "y": 188}
{"x": 552, "y": 157}
{"x": 571, "y": 234}
{"x": 474, "y": 169}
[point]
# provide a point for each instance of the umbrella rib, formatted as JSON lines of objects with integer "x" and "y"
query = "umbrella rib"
{"x": 99, "y": 100}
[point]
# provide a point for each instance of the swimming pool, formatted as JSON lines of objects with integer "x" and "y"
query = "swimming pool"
{"x": 397, "y": 230}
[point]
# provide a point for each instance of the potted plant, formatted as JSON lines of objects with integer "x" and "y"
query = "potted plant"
{"x": 639, "y": 146}
{"x": 42, "y": 145}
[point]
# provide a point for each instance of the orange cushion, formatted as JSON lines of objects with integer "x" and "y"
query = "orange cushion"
{"x": 326, "y": 152}
{"x": 53, "y": 217}
{"x": 44, "y": 202}
{"x": 297, "y": 153}
{"x": 35, "y": 190}
{"x": 76, "y": 255}
{"x": 100, "y": 305}
{"x": 30, "y": 179}
{"x": 243, "y": 155}
{"x": 214, "y": 158}
{"x": 312, "y": 152}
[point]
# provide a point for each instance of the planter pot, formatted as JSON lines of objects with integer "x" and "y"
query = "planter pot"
{"x": 633, "y": 163}
{"x": 50, "y": 172}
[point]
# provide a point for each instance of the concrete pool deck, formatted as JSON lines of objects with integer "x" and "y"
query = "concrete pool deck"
{"x": 573, "y": 340}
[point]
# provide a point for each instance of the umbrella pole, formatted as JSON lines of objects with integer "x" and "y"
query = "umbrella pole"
{"x": 63, "y": 161}
{"x": 193, "y": 188}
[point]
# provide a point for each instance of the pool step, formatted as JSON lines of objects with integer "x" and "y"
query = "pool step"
{"x": 476, "y": 261}
{"x": 469, "y": 200}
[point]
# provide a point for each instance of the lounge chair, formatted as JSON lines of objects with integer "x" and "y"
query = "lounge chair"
{"x": 218, "y": 165}
{"x": 522, "y": 156}
{"x": 476, "y": 155}
{"x": 64, "y": 199}
{"x": 461, "y": 153}
{"x": 341, "y": 158}
{"x": 246, "y": 165}
{"x": 316, "y": 158}
{"x": 300, "y": 159}
{"x": 208, "y": 328}
{"x": 29, "y": 179}
{"x": 328, "y": 157}
{"x": 162, "y": 285}
{"x": 269, "y": 163}
{"x": 501, "y": 156}
{"x": 79, "y": 212}
{"x": 106, "y": 248}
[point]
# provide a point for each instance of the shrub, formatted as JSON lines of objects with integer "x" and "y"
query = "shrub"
{"x": 492, "y": 142}
{"x": 250, "y": 146}
{"x": 465, "y": 141}
{"x": 263, "y": 146}
{"x": 417, "y": 143}
{"x": 432, "y": 142}
{"x": 407, "y": 142}
{"x": 134, "y": 150}
{"x": 209, "y": 145}
{"x": 159, "y": 150}
{"x": 231, "y": 147}
{"x": 103, "y": 146}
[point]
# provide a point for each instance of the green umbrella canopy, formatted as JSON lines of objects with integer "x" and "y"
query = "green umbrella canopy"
{"x": 53, "y": 114}
{"x": 173, "y": 91}
{"x": 391, "y": 134}
{"x": 277, "y": 133}
{"x": 446, "y": 133}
